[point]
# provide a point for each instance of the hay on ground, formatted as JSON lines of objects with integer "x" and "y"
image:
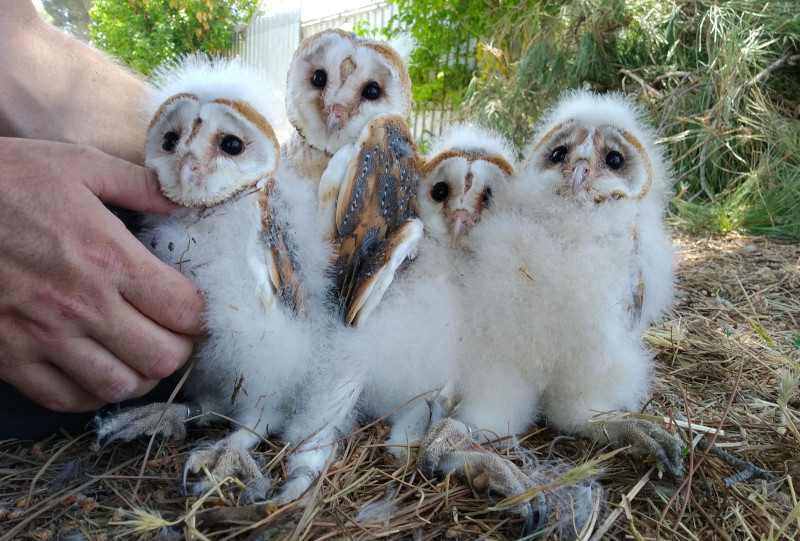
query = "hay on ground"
{"x": 728, "y": 369}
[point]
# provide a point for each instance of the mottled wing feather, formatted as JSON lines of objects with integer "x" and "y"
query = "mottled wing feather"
{"x": 638, "y": 299}
{"x": 378, "y": 274}
{"x": 377, "y": 198}
{"x": 284, "y": 272}
{"x": 339, "y": 168}
{"x": 638, "y": 290}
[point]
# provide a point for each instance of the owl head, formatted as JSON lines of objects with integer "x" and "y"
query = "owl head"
{"x": 459, "y": 178}
{"x": 336, "y": 82}
{"x": 597, "y": 147}
{"x": 208, "y": 138}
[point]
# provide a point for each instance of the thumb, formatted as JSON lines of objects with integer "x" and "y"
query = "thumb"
{"x": 127, "y": 185}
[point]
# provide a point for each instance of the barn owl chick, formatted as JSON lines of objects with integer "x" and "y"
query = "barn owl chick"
{"x": 459, "y": 178}
{"x": 209, "y": 138}
{"x": 336, "y": 82}
{"x": 403, "y": 349}
{"x": 248, "y": 237}
{"x": 403, "y": 360}
{"x": 560, "y": 274}
{"x": 585, "y": 155}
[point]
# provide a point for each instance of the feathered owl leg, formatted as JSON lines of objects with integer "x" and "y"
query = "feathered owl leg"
{"x": 409, "y": 426}
{"x": 411, "y": 423}
{"x": 325, "y": 418}
{"x": 590, "y": 397}
{"x": 167, "y": 420}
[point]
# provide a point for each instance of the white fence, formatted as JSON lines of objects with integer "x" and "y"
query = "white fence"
{"x": 269, "y": 42}
{"x": 375, "y": 16}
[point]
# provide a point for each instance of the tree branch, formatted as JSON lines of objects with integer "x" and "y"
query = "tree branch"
{"x": 646, "y": 87}
{"x": 784, "y": 62}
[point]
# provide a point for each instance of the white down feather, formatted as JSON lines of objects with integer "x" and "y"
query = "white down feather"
{"x": 550, "y": 332}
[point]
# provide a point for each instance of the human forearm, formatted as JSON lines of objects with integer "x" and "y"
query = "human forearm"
{"x": 56, "y": 88}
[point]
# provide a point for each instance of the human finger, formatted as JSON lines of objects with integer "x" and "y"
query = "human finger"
{"x": 48, "y": 385}
{"x": 164, "y": 295}
{"x": 100, "y": 372}
{"x": 153, "y": 351}
{"x": 126, "y": 185}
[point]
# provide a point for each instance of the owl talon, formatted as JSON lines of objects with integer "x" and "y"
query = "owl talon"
{"x": 535, "y": 516}
{"x": 647, "y": 438}
{"x": 226, "y": 458}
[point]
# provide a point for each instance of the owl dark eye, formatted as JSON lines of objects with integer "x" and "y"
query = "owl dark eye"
{"x": 171, "y": 139}
{"x": 371, "y": 91}
{"x": 440, "y": 191}
{"x": 232, "y": 145}
{"x": 614, "y": 160}
{"x": 559, "y": 154}
{"x": 487, "y": 197}
{"x": 319, "y": 79}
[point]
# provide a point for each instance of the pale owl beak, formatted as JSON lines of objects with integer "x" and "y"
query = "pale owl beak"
{"x": 188, "y": 175}
{"x": 580, "y": 175}
{"x": 336, "y": 118}
{"x": 459, "y": 223}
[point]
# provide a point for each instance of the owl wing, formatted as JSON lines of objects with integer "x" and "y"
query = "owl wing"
{"x": 375, "y": 217}
{"x": 378, "y": 272}
{"x": 340, "y": 166}
{"x": 282, "y": 276}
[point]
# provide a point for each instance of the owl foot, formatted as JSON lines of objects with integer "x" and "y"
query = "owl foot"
{"x": 566, "y": 508}
{"x": 167, "y": 420}
{"x": 228, "y": 457}
{"x": 443, "y": 437}
{"x": 647, "y": 438}
{"x": 448, "y": 448}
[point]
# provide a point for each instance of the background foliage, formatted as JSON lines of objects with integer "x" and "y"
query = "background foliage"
{"x": 721, "y": 79}
{"x": 72, "y": 16}
{"x": 146, "y": 33}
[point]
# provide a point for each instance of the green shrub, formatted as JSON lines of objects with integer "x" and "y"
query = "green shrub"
{"x": 721, "y": 80}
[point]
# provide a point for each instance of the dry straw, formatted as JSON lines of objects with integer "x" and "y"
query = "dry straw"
{"x": 728, "y": 370}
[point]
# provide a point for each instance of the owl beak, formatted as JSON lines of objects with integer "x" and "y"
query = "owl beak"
{"x": 460, "y": 223}
{"x": 336, "y": 118}
{"x": 188, "y": 174}
{"x": 580, "y": 176}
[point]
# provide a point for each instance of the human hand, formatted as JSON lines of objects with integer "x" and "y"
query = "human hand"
{"x": 87, "y": 314}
